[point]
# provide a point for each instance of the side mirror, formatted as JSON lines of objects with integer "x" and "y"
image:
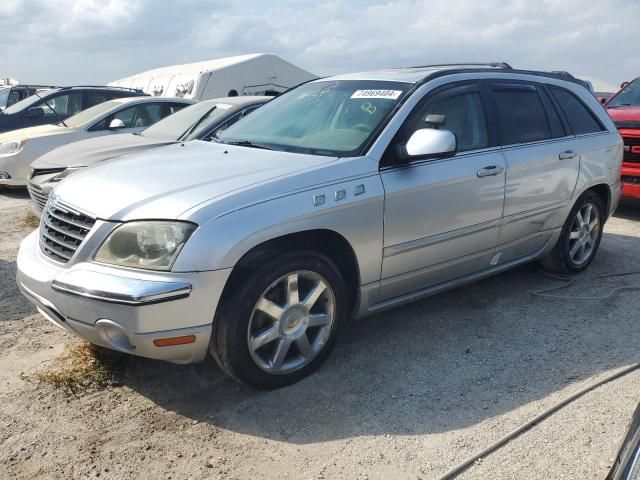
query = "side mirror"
{"x": 429, "y": 142}
{"x": 623, "y": 84}
{"x": 602, "y": 100}
{"x": 116, "y": 123}
{"x": 35, "y": 112}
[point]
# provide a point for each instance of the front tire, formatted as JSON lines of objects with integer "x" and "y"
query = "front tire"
{"x": 278, "y": 324}
{"x": 580, "y": 237}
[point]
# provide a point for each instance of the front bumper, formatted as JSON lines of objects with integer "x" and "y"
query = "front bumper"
{"x": 124, "y": 309}
{"x": 631, "y": 181}
{"x": 14, "y": 169}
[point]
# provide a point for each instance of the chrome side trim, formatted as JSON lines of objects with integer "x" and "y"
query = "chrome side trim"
{"x": 366, "y": 309}
{"x": 115, "y": 289}
{"x": 439, "y": 238}
{"x": 531, "y": 213}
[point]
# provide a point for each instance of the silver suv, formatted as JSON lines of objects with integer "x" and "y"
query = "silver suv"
{"x": 341, "y": 198}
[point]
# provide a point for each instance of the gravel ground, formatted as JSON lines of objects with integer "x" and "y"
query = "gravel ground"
{"x": 406, "y": 394}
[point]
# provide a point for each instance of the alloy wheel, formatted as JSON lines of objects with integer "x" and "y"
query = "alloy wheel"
{"x": 291, "y": 322}
{"x": 584, "y": 234}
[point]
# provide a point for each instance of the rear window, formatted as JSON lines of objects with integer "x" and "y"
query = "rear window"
{"x": 578, "y": 115}
{"x": 521, "y": 113}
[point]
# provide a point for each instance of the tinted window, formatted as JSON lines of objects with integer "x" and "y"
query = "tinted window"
{"x": 94, "y": 98}
{"x": 521, "y": 113}
{"x": 62, "y": 105}
{"x": 578, "y": 115}
{"x": 464, "y": 116}
{"x": 557, "y": 127}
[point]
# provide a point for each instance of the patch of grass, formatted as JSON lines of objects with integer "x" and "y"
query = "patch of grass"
{"x": 81, "y": 367}
{"x": 30, "y": 221}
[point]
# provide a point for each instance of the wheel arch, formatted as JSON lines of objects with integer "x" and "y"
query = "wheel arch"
{"x": 604, "y": 192}
{"x": 325, "y": 241}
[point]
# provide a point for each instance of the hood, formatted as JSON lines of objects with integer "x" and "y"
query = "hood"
{"x": 625, "y": 117}
{"x": 95, "y": 150}
{"x": 35, "y": 132}
{"x": 168, "y": 181}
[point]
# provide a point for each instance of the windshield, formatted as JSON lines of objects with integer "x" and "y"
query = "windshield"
{"x": 628, "y": 96}
{"x": 22, "y": 104}
{"x": 332, "y": 118}
{"x": 4, "y": 97}
{"x": 187, "y": 124}
{"x": 91, "y": 113}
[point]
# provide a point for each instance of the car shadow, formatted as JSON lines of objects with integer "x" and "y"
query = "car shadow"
{"x": 440, "y": 364}
{"x": 13, "y": 305}
{"x": 19, "y": 193}
{"x": 629, "y": 209}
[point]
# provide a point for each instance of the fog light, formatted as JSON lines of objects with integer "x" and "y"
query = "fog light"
{"x": 114, "y": 335}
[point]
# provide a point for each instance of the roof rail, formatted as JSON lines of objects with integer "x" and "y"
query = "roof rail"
{"x": 502, "y": 65}
{"x": 102, "y": 86}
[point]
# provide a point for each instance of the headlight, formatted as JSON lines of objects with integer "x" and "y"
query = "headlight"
{"x": 152, "y": 245}
{"x": 65, "y": 173}
{"x": 12, "y": 147}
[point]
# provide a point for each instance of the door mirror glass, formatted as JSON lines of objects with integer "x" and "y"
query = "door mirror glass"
{"x": 116, "y": 123}
{"x": 431, "y": 142}
{"x": 35, "y": 112}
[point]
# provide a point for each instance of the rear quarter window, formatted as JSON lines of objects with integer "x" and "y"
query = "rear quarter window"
{"x": 521, "y": 113}
{"x": 581, "y": 119}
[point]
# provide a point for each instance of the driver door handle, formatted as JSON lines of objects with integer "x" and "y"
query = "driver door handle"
{"x": 567, "y": 155}
{"x": 490, "y": 171}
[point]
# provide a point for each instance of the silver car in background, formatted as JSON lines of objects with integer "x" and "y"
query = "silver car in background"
{"x": 341, "y": 198}
{"x": 19, "y": 148}
{"x": 196, "y": 122}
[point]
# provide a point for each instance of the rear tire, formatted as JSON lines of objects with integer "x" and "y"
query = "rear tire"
{"x": 278, "y": 323}
{"x": 580, "y": 237}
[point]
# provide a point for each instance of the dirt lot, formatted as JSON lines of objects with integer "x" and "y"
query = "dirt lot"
{"x": 407, "y": 394}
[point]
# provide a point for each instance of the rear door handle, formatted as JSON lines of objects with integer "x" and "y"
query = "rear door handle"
{"x": 490, "y": 171}
{"x": 567, "y": 155}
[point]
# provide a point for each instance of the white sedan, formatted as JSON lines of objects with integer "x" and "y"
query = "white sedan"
{"x": 19, "y": 148}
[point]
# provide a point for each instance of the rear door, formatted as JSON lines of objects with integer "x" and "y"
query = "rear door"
{"x": 542, "y": 165}
{"x": 442, "y": 216}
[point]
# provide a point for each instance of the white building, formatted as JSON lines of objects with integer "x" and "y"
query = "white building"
{"x": 255, "y": 74}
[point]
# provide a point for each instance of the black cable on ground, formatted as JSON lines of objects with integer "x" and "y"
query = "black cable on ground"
{"x": 571, "y": 280}
{"x": 461, "y": 467}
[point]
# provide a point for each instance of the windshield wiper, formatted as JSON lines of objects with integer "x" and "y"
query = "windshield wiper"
{"x": 248, "y": 143}
{"x": 620, "y": 105}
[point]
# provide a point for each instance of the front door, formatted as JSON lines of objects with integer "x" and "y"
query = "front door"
{"x": 442, "y": 216}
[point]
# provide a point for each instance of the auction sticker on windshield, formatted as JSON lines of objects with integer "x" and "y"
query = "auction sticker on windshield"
{"x": 390, "y": 94}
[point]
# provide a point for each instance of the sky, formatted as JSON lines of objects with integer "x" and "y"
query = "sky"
{"x": 67, "y": 42}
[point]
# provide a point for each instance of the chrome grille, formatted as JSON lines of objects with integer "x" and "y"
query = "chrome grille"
{"x": 62, "y": 231}
{"x": 37, "y": 195}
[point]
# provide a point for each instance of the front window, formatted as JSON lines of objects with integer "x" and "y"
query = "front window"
{"x": 23, "y": 105}
{"x": 332, "y": 118}
{"x": 188, "y": 123}
{"x": 90, "y": 113}
{"x": 628, "y": 96}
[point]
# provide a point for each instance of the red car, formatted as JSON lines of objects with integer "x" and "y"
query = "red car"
{"x": 624, "y": 108}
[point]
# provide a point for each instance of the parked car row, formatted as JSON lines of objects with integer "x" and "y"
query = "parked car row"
{"x": 340, "y": 198}
{"x": 200, "y": 121}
